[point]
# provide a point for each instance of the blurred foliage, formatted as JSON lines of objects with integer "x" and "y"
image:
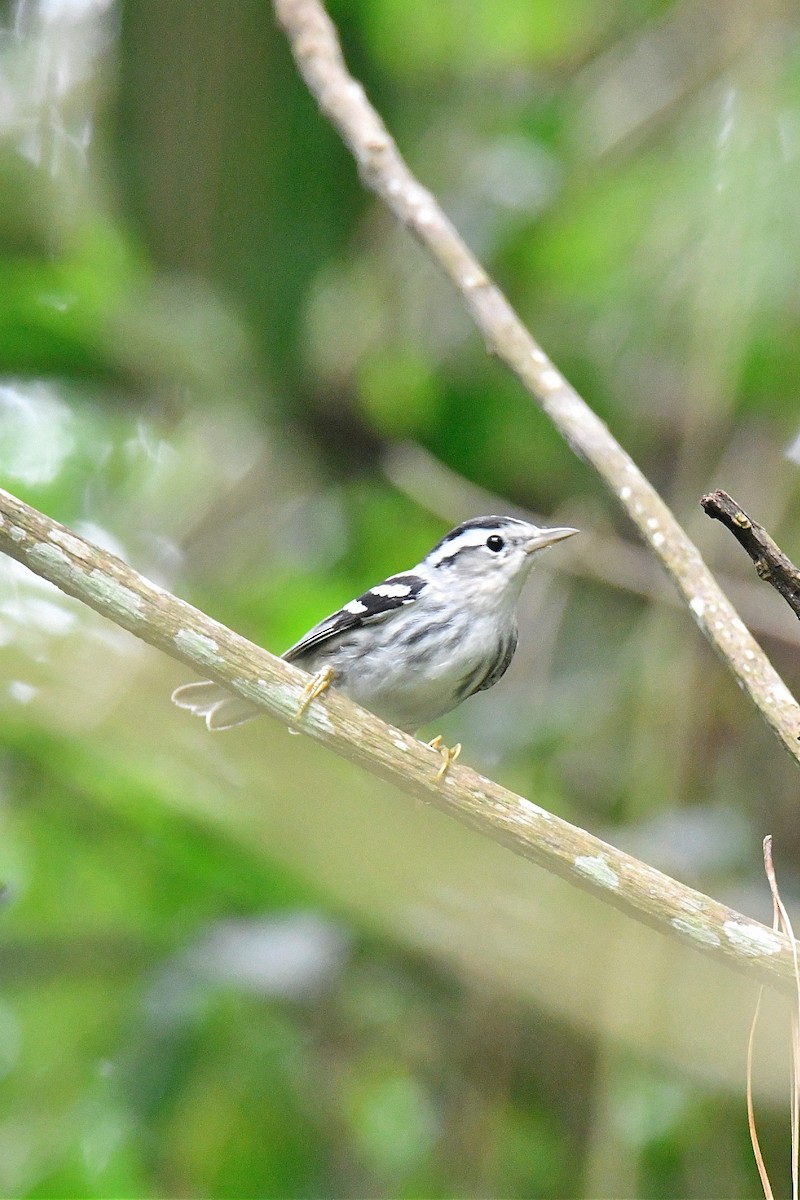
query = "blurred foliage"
{"x": 240, "y": 969}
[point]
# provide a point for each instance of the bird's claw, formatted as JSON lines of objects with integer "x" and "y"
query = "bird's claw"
{"x": 314, "y": 689}
{"x": 449, "y": 754}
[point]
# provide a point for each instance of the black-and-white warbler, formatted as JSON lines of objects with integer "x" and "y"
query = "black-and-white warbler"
{"x": 413, "y": 647}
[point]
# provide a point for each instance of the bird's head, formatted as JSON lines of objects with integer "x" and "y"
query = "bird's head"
{"x": 494, "y": 554}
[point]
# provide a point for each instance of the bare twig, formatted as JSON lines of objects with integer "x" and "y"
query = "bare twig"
{"x": 113, "y": 589}
{"x": 341, "y": 98}
{"x": 781, "y": 921}
{"x": 771, "y": 563}
{"x": 752, "y": 1125}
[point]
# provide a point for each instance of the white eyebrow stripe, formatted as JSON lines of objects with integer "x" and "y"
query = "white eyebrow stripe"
{"x": 391, "y": 589}
{"x": 467, "y": 538}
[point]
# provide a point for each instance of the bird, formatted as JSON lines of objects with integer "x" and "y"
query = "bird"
{"x": 412, "y": 648}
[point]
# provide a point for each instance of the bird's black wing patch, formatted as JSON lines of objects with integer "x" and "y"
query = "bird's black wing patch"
{"x": 373, "y": 605}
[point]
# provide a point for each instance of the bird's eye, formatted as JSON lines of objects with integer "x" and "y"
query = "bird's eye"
{"x": 495, "y": 542}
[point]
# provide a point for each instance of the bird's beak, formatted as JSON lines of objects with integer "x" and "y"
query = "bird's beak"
{"x": 548, "y": 537}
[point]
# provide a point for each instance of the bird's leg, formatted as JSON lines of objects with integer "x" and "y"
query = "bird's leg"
{"x": 449, "y": 754}
{"x": 314, "y": 689}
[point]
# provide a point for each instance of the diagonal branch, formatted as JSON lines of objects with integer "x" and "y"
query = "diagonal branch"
{"x": 112, "y": 588}
{"x": 341, "y": 98}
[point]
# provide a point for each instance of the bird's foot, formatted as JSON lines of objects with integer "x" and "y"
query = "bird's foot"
{"x": 315, "y": 688}
{"x": 449, "y": 754}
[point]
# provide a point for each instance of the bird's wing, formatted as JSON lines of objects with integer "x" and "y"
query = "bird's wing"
{"x": 374, "y": 605}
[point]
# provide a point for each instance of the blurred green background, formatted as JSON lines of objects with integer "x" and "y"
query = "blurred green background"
{"x": 235, "y": 966}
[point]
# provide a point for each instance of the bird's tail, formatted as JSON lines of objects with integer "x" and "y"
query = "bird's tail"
{"x": 220, "y": 708}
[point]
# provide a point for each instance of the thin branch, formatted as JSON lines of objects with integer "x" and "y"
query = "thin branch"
{"x": 341, "y": 98}
{"x": 772, "y": 565}
{"x": 113, "y": 589}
